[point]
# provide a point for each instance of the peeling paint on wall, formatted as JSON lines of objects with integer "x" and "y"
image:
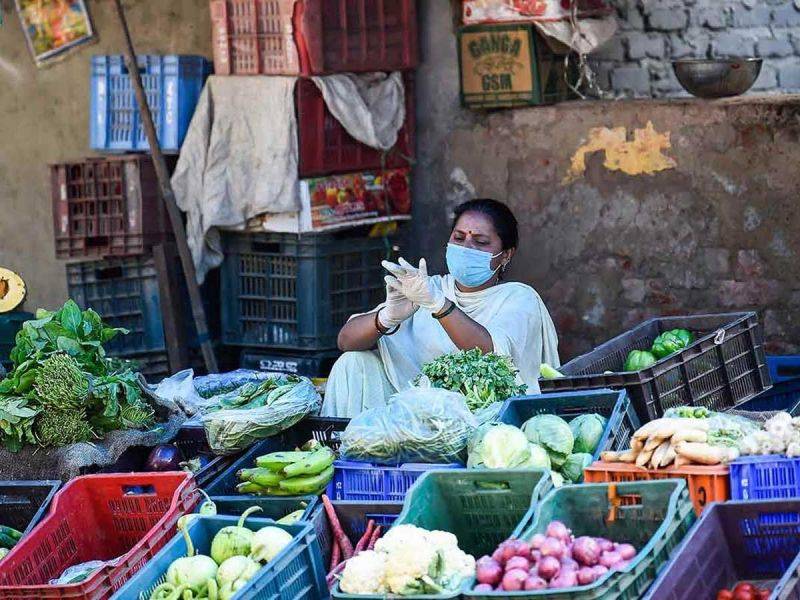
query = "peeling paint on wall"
{"x": 643, "y": 155}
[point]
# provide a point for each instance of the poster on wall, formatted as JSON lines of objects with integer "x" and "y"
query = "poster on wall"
{"x": 53, "y": 27}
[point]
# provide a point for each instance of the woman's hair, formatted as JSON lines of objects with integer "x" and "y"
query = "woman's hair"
{"x": 503, "y": 220}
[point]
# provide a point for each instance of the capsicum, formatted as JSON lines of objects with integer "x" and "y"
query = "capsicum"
{"x": 638, "y": 360}
{"x": 671, "y": 342}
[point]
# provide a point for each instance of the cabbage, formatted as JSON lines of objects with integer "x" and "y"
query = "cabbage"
{"x": 573, "y": 467}
{"x": 539, "y": 458}
{"x": 587, "y": 431}
{"x": 499, "y": 447}
{"x": 557, "y": 479}
{"x": 551, "y": 432}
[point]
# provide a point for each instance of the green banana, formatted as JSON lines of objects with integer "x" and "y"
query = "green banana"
{"x": 6, "y": 541}
{"x": 276, "y": 461}
{"x": 292, "y": 517}
{"x": 11, "y": 532}
{"x": 249, "y": 487}
{"x": 317, "y": 462}
{"x": 261, "y": 476}
{"x": 278, "y": 491}
{"x": 306, "y": 485}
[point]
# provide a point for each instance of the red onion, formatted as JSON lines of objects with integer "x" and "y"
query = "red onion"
{"x": 483, "y": 587}
{"x": 600, "y": 570}
{"x": 535, "y": 555}
{"x": 621, "y": 565}
{"x": 552, "y": 547}
{"x": 610, "y": 559}
{"x": 605, "y": 545}
{"x": 586, "y": 551}
{"x": 586, "y": 575}
{"x": 548, "y": 567}
{"x": 626, "y": 551}
{"x": 535, "y": 583}
{"x": 564, "y": 580}
{"x": 537, "y": 540}
{"x": 509, "y": 550}
{"x": 558, "y": 530}
{"x": 488, "y": 570}
{"x": 522, "y": 548}
{"x": 568, "y": 564}
{"x": 513, "y": 580}
{"x": 518, "y": 562}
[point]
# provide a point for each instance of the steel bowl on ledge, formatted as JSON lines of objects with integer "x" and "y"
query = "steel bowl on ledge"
{"x": 717, "y": 77}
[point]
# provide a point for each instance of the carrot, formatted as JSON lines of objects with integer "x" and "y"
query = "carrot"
{"x": 336, "y": 555}
{"x": 332, "y": 576}
{"x": 336, "y": 527}
{"x": 362, "y": 543}
{"x": 374, "y": 538}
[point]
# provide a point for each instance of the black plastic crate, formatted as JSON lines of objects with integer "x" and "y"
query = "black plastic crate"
{"x": 296, "y": 291}
{"x": 311, "y": 364}
{"x": 326, "y": 430}
{"x": 24, "y": 503}
{"x": 724, "y": 367}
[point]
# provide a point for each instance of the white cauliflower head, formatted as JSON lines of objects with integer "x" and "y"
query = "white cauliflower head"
{"x": 365, "y": 573}
{"x": 400, "y": 536}
{"x": 408, "y": 567}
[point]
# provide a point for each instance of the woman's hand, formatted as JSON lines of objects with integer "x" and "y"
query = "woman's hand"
{"x": 397, "y": 307}
{"x": 415, "y": 284}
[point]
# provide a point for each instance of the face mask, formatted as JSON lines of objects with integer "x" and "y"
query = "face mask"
{"x": 470, "y": 267}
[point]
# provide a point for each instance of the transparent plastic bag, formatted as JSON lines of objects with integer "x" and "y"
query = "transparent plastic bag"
{"x": 418, "y": 425}
{"x": 208, "y": 386}
{"x": 234, "y": 429}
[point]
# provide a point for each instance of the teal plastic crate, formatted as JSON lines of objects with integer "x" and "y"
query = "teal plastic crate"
{"x": 614, "y": 405}
{"x": 654, "y": 516}
{"x": 296, "y": 573}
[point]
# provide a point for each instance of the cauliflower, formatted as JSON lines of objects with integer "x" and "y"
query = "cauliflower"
{"x": 365, "y": 573}
{"x": 793, "y": 450}
{"x": 401, "y": 536}
{"x": 411, "y": 570}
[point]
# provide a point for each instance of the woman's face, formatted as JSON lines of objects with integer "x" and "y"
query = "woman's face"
{"x": 475, "y": 230}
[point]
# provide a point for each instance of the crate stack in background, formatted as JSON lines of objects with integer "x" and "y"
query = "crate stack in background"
{"x": 109, "y": 220}
{"x": 287, "y": 289}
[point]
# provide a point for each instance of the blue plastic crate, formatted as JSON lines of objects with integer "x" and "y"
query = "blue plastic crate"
{"x": 765, "y": 478}
{"x": 614, "y": 405}
{"x": 782, "y": 368}
{"x": 366, "y": 482}
{"x": 172, "y": 84}
{"x": 296, "y": 573}
{"x": 783, "y": 396}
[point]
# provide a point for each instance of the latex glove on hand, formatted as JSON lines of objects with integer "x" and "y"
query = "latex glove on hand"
{"x": 416, "y": 284}
{"x": 397, "y": 307}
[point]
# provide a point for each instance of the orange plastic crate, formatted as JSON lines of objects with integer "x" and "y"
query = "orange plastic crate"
{"x": 706, "y": 484}
{"x": 128, "y": 517}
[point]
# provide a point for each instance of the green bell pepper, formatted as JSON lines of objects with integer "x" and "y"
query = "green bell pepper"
{"x": 671, "y": 342}
{"x": 638, "y": 360}
{"x": 686, "y": 336}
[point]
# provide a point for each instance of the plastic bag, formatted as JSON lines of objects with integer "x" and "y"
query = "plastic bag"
{"x": 235, "y": 429}
{"x": 422, "y": 425}
{"x": 221, "y": 383}
{"x": 78, "y": 573}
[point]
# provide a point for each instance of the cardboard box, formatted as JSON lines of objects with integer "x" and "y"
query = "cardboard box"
{"x": 475, "y": 12}
{"x": 350, "y": 200}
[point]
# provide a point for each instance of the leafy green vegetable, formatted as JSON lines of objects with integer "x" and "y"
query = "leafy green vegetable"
{"x": 587, "y": 431}
{"x": 573, "y": 467}
{"x": 539, "y": 457}
{"x": 499, "y": 447}
{"x": 482, "y": 378}
{"x": 62, "y": 427}
{"x": 553, "y": 434}
{"x": 60, "y": 383}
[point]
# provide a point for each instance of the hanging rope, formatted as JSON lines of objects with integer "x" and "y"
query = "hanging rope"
{"x": 586, "y": 76}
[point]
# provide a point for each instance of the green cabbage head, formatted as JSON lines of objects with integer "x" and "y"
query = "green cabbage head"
{"x": 553, "y": 434}
{"x": 573, "y": 467}
{"x": 587, "y": 431}
{"x": 499, "y": 446}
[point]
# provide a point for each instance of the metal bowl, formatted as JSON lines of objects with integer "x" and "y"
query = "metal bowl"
{"x": 717, "y": 77}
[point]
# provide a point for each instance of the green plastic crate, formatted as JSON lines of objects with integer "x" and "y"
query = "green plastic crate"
{"x": 654, "y": 516}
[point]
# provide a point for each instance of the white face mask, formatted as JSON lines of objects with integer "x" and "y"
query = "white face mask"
{"x": 470, "y": 267}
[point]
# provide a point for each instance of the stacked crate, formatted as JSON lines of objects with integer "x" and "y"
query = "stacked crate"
{"x": 107, "y": 210}
{"x": 284, "y": 296}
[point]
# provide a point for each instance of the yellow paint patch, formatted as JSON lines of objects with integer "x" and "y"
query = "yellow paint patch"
{"x": 644, "y": 155}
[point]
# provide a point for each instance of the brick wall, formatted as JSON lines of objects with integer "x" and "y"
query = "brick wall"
{"x": 636, "y": 63}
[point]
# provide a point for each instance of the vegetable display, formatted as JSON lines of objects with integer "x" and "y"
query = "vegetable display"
{"x": 706, "y": 438}
{"x": 779, "y": 435}
{"x": 544, "y": 442}
{"x": 290, "y": 473}
{"x": 63, "y": 389}
{"x": 8, "y": 539}
{"x": 552, "y": 560}
{"x": 744, "y": 591}
{"x": 482, "y": 378}
{"x": 235, "y": 557}
{"x": 408, "y": 561}
{"x": 664, "y": 345}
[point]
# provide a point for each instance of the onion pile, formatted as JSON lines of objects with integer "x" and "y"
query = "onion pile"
{"x": 553, "y": 560}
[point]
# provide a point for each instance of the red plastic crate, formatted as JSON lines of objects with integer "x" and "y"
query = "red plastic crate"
{"x": 98, "y": 517}
{"x": 107, "y": 207}
{"x": 326, "y": 147}
{"x": 313, "y": 37}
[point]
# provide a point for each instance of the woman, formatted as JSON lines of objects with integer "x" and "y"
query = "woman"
{"x": 424, "y": 317}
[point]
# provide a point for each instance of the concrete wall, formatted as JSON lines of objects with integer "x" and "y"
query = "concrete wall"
{"x": 627, "y": 209}
{"x": 654, "y": 32}
{"x": 44, "y": 118}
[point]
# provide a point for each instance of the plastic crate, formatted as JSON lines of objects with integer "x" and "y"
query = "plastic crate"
{"x": 353, "y": 517}
{"x": 784, "y": 396}
{"x": 24, "y": 503}
{"x": 765, "y": 478}
{"x": 326, "y": 430}
{"x": 724, "y": 367}
{"x": 706, "y": 484}
{"x": 172, "y": 84}
{"x": 615, "y": 406}
{"x": 107, "y": 207}
{"x": 311, "y": 364}
{"x": 782, "y": 368}
{"x": 366, "y": 482}
{"x": 10, "y": 324}
{"x": 128, "y": 517}
{"x": 296, "y": 291}
{"x": 296, "y": 572}
{"x": 312, "y": 37}
{"x": 757, "y": 542}
{"x": 654, "y": 516}
{"x": 273, "y": 507}
{"x": 326, "y": 147}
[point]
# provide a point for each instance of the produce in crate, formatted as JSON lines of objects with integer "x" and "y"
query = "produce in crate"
{"x": 638, "y": 360}
{"x": 235, "y": 557}
{"x": 552, "y": 560}
{"x": 548, "y": 372}
{"x": 744, "y": 591}
{"x": 408, "y": 561}
{"x": 664, "y": 345}
{"x": 207, "y": 508}
{"x": 780, "y": 435}
{"x": 289, "y": 473}
{"x": 8, "y": 539}
{"x": 483, "y": 378}
{"x": 544, "y": 442}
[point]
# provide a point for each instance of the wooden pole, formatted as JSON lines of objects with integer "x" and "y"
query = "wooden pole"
{"x": 168, "y": 196}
